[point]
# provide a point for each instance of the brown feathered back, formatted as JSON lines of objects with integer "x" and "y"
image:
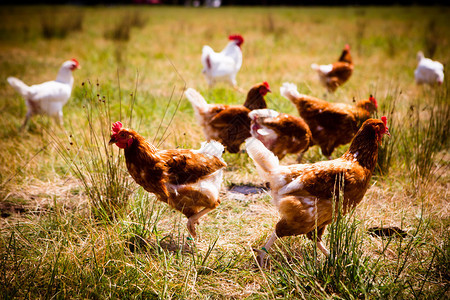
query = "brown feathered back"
{"x": 304, "y": 193}
{"x": 152, "y": 168}
{"x": 291, "y": 134}
{"x": 333, "y": 124}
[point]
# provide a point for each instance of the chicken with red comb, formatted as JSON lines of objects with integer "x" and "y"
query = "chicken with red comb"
{"x": 336, "y": 74}
{"x": 188, "y": 180}
{"x": 224, "y": 65}
{"x": 305, "y": 194}
{"x": 47, "y": 98}
{"x": 331, "y": 124}
{"x": 228, "y": 124}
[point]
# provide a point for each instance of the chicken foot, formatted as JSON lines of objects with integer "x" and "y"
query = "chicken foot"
{"x": 193, "y": 220}
{"x": 316, "y": 235}
{"x": 25, "y": 123}
{"x": 263, "y": 252}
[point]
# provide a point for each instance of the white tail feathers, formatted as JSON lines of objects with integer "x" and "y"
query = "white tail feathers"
{"x": 206, "y": 50}
{"x": 289, "y": 91}
{"x": 19, "y": 86}
{"x": 322, "y": 69}
{"x": 265, "y": 160}
{"x": 263, "y": 113}
{"x": 212, "y": 148}
{"x": 198, "y": 102}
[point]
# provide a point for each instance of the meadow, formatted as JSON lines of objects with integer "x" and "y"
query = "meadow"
{"x": 74, "y": 225}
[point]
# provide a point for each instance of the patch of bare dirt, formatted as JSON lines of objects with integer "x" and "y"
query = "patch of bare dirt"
{"x": 245, "y": 192}
{"x": 38, "y": 197}
{"x": 6, "y": 209}
{"x": 247, "y": 189}
{"x": 138, "y": 243}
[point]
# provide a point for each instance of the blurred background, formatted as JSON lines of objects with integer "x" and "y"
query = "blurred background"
{"x": 218, "y": 3}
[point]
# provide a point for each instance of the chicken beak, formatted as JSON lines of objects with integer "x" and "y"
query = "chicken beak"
{"x": 112, "y": 141}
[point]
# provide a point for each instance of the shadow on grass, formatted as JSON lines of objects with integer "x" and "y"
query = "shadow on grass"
{"x": 139, "y": 244}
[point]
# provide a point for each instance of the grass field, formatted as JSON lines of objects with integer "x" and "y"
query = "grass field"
{"x": 59, "y": 237}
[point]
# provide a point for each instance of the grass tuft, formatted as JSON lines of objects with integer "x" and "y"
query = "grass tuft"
{"x": 95, "y": 163}
{"x": 431, "y": 39}
{"x": 350, "y": 271}
{"x": 387, "y": 150}
{"x": 121, "y": 31}
{"x": 424, "y": 137}
{"x": 60, "y": 27}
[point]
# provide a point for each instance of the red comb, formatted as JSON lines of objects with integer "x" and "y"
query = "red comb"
{"x": 116, "y": 127}
{"x": 266, "y": 84}
{"x": 386, "y": 129}
{"x": 347, "y": 47}
{"x": 374, "y": 101}
{"x": 75, "y": 61}
{"x": 236, "y": 37}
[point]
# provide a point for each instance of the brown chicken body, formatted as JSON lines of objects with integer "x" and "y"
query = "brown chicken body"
{"x": 304, "y": 194}
{"x": 188, "y": 180}
{"x": 280, "y": 133}
{"x": 331, "y": 124}
{"x": 228, "y": 124}
{"x": 334, "y": 75}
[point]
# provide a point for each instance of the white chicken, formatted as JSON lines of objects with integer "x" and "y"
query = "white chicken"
{"x": 49, "y": 97}
{"x": 224, "y": 65}
{"x": 428, "y": 71}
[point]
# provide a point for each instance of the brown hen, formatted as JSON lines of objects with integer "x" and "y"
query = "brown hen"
{"x": 305, "y": 193}
{"x": 331, "y": 124}
{"x": 187, "y": 180}
{"x": 336, "y": 74}
{"x": 280, "y": 133}
{"x": 228, "y": 124}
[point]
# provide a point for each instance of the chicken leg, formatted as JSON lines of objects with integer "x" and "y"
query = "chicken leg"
{"x": 322, "y": 248}
{"x": 193, "y": 220}
{"x": 316, "y": 235}
{"x": 263, "y": 252}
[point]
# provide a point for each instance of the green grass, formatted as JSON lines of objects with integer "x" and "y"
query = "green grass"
{"x": 82, "y": 229}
